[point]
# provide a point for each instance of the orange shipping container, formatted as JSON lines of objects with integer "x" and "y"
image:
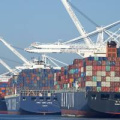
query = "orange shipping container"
{"x": 71, "y": 80}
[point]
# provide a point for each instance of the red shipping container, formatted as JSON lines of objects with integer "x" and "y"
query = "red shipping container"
{"x": 66, "y": 81}
{"x": 113, "y": 58}
{"x": 107, "y": 89}
{"x": 82, "y": 84}
{"x": 112, "y": 68}
{"x": 103, "y": 89}
{"x": 62, "y": 68}
{"x": 70, "y": 67}
{"x": 111, "y": 89}
{"x": 71, "y": 76}
{"x": 88, "y": 78}
{"x": 80, "y": 64}
{"x": 116, "y": 84}
{"x": 94, "y": 63}
{"x": 89, "y": 63}
{"x": 94, "y": 73}
{"x": 109, "y": 58}
{"x": 79, "y": 84}
{"x": 103, "y": 68}
{"x": 99, "y": 68}
{"x": 117, "y": 74}
{"x": 76, "y": 61}
{"x": 118, "y": 59}
{"x": 103, "y": 63}
{"x": 116, "y": 89}
{"x": 117, "y": 63}
{"x": 103, "y": 78}
{"x": 94, "y": 67}
{"x": 70, "y": 84}
{"x": 107, "y": 73}
{"x": 112, "y": 84}
{"x": 116, "y": 68}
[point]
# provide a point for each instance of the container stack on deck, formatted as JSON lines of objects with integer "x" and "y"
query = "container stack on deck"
{"x": 71, "y": 76}
{"x": 3, "y": 86}
{"x": 92, "y": 73}
{"x": 32, "y": 79}
{"x": 103, "y": 75}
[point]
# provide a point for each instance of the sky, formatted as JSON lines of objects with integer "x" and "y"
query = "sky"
{"x": 23, "y": 22}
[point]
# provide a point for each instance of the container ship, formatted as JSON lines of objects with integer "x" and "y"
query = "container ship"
{"x": 75, "y": 90}
{"x": 95, "y": 82}
{"x": 106, "y": 99}
{"x": 32, "y": 92}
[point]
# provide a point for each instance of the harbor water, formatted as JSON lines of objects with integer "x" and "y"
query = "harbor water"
{"x": 37, "y": 117}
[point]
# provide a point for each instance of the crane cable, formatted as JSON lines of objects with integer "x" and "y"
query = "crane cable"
{"x": 84, "y": 15}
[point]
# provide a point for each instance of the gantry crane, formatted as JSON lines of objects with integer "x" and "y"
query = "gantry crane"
{"x": 27, "y": 63}
{"x": 77, "y": 23}
{"x": 79, "y": 48}
{"x": 83, "y": 49}
{"x": 32, "y": 64}
{"x": 6, "y": 66}
{"x": 6, "y": 76}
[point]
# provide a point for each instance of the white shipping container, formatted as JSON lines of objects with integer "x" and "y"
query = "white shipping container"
{"x": 98, "y": 78}
{"x": 108, "y": 79}
{"x": 116, "y": 79}
{"x": 103, "y": 73}
{"x": 82, "y": 70}
{"x": 112, "y": 79}
{"x": 107, "y": 84}
{"x": 88, "y": 83}
{"x": 94, "y": 84}
{"x": 112, "y": 73}
{"x": 55, "y": 76}
{"x": 99, "y": 73}
{"x": 103, "y": 84}
{"x": 68, "y": 85}
{"x": 88, "y": 68}
{"x": 76, "y": 86}
{"x": 49, "y": 94}
{"x": 88, "y": 73}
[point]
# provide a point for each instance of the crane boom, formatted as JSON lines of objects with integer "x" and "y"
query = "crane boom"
{"x": 76, "y": 22}
{"x": 15, "y": 52}
{"x": 6, "y": 66}
{"x": 93, "y": 32}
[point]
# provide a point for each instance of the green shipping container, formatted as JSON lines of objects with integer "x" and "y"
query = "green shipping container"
{"x": 65, "y": 86}
{"x": 58, "y": 87}
{"x": 107, "y": 68}
{"x": 94, "y": 78}
{"x": 96, "y": 58}
{"x": 98, "y": 89}
{"x": 79, "y": 79}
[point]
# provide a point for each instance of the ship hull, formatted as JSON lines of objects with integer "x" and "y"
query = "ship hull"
{"x": 3, "y": 106}
{"x": 105, "y": 102}
{"x": 29, "y": 104}
{"x": 75, "y": 104}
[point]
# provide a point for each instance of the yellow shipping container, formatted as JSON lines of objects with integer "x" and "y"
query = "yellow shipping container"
{"x": 71, "y": 80}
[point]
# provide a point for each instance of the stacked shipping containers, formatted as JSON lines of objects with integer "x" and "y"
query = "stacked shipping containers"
{"x": 72, "y": 76}
{"x": 92, "y": 73}
{"x": 103, "y": 75}
{"x": 3, "y": 86}
{"x": 32, "y": 79}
